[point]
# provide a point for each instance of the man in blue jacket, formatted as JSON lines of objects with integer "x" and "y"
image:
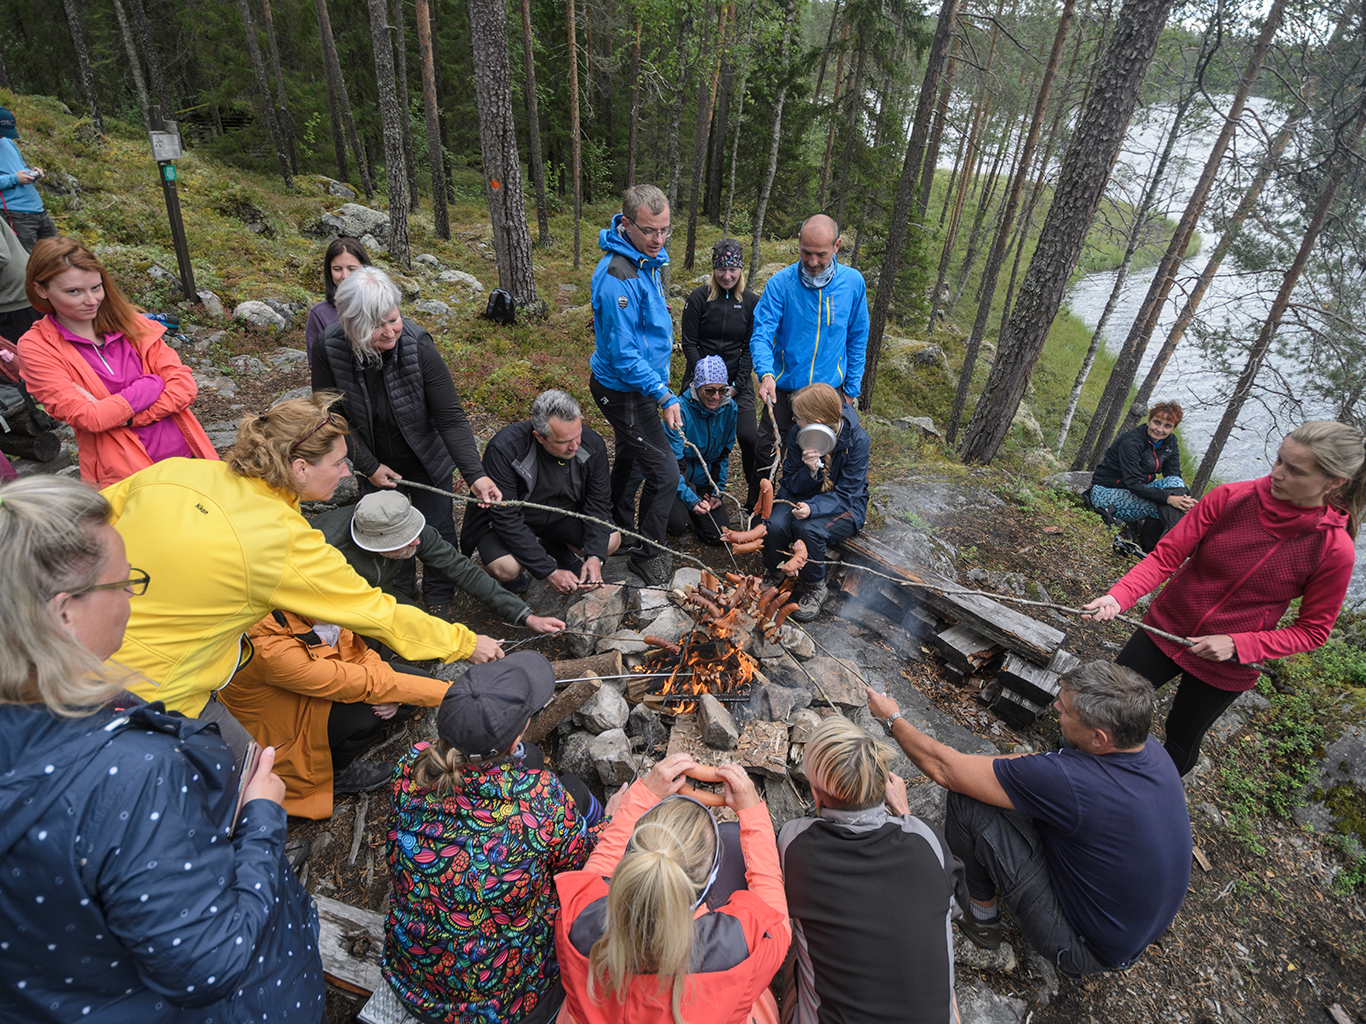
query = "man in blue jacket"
{"x": 23, "y": 206}
{"x": 810, "y": 327}
{"x": 633, "y": 329}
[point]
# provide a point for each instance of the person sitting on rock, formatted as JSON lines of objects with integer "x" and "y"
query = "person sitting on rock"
{"x": 1091, "y": 845}
{"x": 383, "y": 530}
{"x": 550, "y": 459}
{"x": 477, "y": 830}
{"x": 709, "y": 421}
{"x": 319, "y": 695}
{"x": 824, "y": 498}
{"x": 1139, "y": 480}
{"x": 894, "y": 868}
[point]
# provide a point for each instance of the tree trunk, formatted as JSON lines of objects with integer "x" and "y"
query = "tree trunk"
{"x": 134, "y": 64}
{"x": 905, "y": 195}
{"x": 998, "y": 244}
{"x": 1085, "y": 171}
{"x": 676, "y": 112}
{"x": 87, "y": 70}
{"x": 941, "y": 114}
{"x": 940, "y": 297}
{"x": 143, "y": 30}
{"x": 5, "y": 81}
{"x": 766, "y": 187}
{"x": 1347, "y": 137}
{"x": 348, "y": 122}
{"x": 498, "y": 144}
{"x": 739, "y": 115}
{"x": 283, "y": 120}
{"x": 333, "y": 89}
{"x": 440, "y": 215}
{"x": 854, "y": 102}
{"x": 1114, "y": 400}
{"x": 533, "y": 127}
{"x": 395, "y": 175}
{"x": 706, "y": 102}
{"x": 575, "y": 142}
{"x": 401, "y": 64}
{"x": 1232, "y": 229}
{"x": 258, "y": 66}
{"x": 633, "y": 138}
{"x": 834, "y": 118}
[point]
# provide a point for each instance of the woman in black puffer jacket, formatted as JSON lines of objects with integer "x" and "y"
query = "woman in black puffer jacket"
{"x": 716, "y": 322}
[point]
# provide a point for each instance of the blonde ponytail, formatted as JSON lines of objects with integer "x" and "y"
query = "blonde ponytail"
{"x": 438, "y": 769}
{"x": 650, "y": 903}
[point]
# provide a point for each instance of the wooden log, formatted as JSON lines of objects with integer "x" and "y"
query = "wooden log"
{"x": 1016, "y": 710}
{"x": 965, "y": 649}
{"x": 1038, "y": 684}
{"x": 39, "y": 447}
{"x": 607, "y": 665}
{"x": 351, "y": 941}
{"x": 1029, "y": 637}
{"x": 564, "y": 704}
{"x": 1063, "y": 662}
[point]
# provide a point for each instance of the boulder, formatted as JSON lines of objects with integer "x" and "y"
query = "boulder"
{"x": 461, "y": 278}
{"x": 287, "y": 357}
{"x": 627, "y": 641}
{"x": 671, "y": 624}
{"x": 687, "y": 577}
{"x": 717, "y": 724}
{"x": 599, "y": 612}
{"x": 1076, "y": 481}
{"x": 575, "y": 756}
{"x": 605, "y": 710}
{"x": 340, "y": 189}
{"x": 778, "y": 703}
{"x": 212, "y": 304}
{"x": 247, "y": 364}
{"x": 357, "y": 221}
{"x": 259, "y": 315}
{"x": 157, "y": 273}
{"x": 648, "y": 605}
{"x": 1028, "y": 425}
{"x": 426, "y": 259}
{"x": 372, "y": 244}
{"x": 923, "y": 424}
{"x": 433, "y": 307}
{"x": 804, "y": 722}
{"x": 302, "y": 391}
{"x": 764, "y": 273}
{"x": 209, "y": 380}
{"x": 611, "y": 752}
{"x": 644, "y": 727}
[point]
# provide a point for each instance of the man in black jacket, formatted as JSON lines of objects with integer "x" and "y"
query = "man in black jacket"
{"x": 550, "y": 459}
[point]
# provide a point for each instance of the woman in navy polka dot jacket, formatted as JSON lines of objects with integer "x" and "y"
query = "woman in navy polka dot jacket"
{"x": 131, "y": 889}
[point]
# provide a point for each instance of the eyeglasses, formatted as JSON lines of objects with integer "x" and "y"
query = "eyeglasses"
{"x": 295, "y": 446}
{"x": 715, "y": 391}
{"x": 663, "y": 234}
{"x": 136, "y": 586}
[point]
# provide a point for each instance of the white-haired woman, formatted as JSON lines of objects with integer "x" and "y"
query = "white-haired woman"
{"x": 135, "y": 887}
{"x": 406, "y": 419}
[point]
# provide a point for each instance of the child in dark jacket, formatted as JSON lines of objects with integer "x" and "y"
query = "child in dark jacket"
{"x": 709, "y": 421}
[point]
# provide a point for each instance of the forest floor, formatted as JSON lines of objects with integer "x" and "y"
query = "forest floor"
{"x": 1263, "y": 936}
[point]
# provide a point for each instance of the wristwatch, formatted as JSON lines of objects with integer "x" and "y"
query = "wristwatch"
{"x": 889, "y": 720}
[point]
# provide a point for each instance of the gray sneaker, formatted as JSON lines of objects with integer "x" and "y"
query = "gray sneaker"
{"x": 809, "y": 598}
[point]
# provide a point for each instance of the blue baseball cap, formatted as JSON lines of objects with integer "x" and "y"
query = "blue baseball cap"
{"x": 8, "y": 129}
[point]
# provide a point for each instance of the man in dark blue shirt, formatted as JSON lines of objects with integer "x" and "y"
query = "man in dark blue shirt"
{"x": 1090, "y": 845}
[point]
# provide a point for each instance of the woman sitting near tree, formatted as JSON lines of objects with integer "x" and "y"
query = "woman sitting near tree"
{"x": 1139, "y": 480}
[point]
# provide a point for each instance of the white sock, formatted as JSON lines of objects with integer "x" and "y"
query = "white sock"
{"x": 981, "y": 913}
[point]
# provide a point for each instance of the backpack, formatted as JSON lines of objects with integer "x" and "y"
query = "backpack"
{"x": 501, "y": 308}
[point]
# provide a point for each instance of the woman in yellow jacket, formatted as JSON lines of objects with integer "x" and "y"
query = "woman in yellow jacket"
{"x": 226, "y": 545}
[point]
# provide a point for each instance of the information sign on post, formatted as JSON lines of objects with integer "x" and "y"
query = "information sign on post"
{"x": 166, "y": 147}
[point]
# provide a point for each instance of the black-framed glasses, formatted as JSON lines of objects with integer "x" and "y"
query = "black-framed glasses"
{"x": 663, "y": 234}
{"x": 136, "y": 585}
{"x": 715, "y": 390}
{"x": 295, "y": 446}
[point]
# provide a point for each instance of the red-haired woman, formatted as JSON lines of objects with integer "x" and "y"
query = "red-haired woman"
{"x": 96, "y": 363}
{"x": 1139, "y": 479}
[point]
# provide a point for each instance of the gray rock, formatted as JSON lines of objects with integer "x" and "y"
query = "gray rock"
{"x": 611, "y": 752}
{"x": 778, "y": 703}
{"x": 158, "y": 273}
{"x": 1252, "y": 699}
{"x": 792, "y": 640}
{"x": 247, "y": 364}
{"x": 644, "y": 725}
{"x": 648, "y": 605}
{"x": 259, "y": 314}
{"x": 373, "y": 244}
{"x": 348, "y": 493}
{"x": 427, "y": 260}
{"x": 687, "y": 577}
{"x": 215, "y": 382}
{"x": 461, "y": 278}
{"x": 672, "y": 624}
{"x": 765, "y": 272}
{"x": 302, "y": 391}
{"x": 1075, "y": 482}
{"x": 978, "y": 1004}
{"x": 933, "y": 355}
{"x": 923, "y": 424}
{"x": 600, "y": 612}
{"x": 717, "y": 725}
{"x": 286, "y": 357}
{"x": 433, "y": 307}
{"x": 575, "y": 755}
{"x": 340, "y": 189}
{"x": 1000, "y": 960}
{"x": 212, "y": 304}
{"x": 357, "y": 221}
{"x": 284, "y": 308}
{"x": 804, "y": 722}
{"x": 605, "y": 710}
{"x": 781, "y": 801}
{"x": 410, "y": 288}
{"x": 1211, "y": 813}
{"x": 1049, "y": 986}
{"x": 627, "y": 641}
{"x": 568, "y": 289}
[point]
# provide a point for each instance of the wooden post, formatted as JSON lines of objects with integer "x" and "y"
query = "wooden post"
{"x": 167, "y": 173}
{"x": 566, "y": 702}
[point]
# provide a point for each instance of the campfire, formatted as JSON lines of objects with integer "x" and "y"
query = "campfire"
{"x": 712, "y": 657}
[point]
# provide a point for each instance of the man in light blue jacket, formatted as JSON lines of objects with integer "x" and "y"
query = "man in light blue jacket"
{"x": 633, "y": 330}
{"x": 23, "y": 207}
{"x": 810, "y": 327}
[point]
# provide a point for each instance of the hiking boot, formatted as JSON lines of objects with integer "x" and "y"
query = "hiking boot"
{"x": 774, "y": 577}
{"x": 362, "y": 777}
{"x": 809, "y": 598}
{"x": 982, "y": 934}
{"x": 656, "y": 571}
{"x": 441, "y": 610}
{"x": 1125, "y": 545}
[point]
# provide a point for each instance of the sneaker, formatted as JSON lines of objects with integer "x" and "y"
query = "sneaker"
{"x": 809, "y": 598}
{"x": 982, "y": 934}
{"x": 517, "y": 585}
{"x": 772, "y": 578}
{"x": 441, "y": 610}
{"x": 362, "y": 777}
{"x": 656, "y": 571}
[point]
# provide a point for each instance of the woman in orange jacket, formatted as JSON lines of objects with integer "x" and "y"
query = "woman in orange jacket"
{"x": 625, "y": 946}
{"x": 94, "y": 362}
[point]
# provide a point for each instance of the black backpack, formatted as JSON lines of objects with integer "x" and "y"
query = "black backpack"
{"x": 501, "y": 308}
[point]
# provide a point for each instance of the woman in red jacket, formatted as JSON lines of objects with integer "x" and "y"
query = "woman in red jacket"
{"x": 94, "y": 362}
{"x": 625, "y": 946}
{"x": 1254, "y": 546}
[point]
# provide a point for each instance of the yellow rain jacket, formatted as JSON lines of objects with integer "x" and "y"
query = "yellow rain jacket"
{"x": 223, "y": 551}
